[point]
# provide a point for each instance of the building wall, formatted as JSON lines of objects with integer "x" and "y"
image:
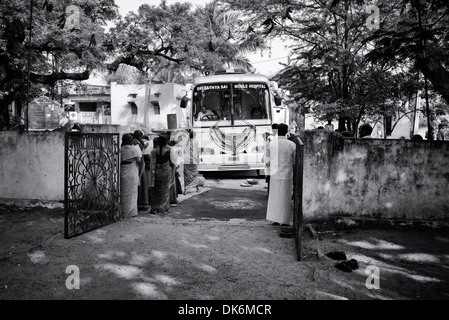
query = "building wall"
{"x": 166, "y": 96}
{"x": 101, "y": 128}
{"x": 32, "y": 168}
{"x": 356, "y": 177}
{"x": 44, "y": 113}
{"x": 393, "y": 178}
{"x": 98, "y": 94}
{"x": 121, "y": 111}
{"x": 32, "y": 165}
{"x": 88, "y": 116}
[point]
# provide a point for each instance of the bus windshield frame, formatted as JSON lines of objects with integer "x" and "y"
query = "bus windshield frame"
{"x": 234, "y": 103}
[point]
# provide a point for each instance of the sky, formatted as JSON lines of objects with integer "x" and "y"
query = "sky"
{"x": 266, "y": 62}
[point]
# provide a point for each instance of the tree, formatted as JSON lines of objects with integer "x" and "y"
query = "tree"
{"x": 175, "y": 40}
{"x": 325, "y": 60}
{"x": 228, "y": 35}
{"x": 417, "y": 31}
{"x": 163, "y": 42}
{"x": 52, "y": 51}
{"x": 125, "y": 74}
{"x": 326, "y": 43}
{"x": 327, "y": 65}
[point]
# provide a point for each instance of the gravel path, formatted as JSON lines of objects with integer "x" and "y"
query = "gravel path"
{"x": 166, "y": 258}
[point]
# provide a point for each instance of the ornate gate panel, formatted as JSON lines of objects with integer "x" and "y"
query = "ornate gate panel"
{"x": 297, "y": 193}
{"x": 92, "y": 180}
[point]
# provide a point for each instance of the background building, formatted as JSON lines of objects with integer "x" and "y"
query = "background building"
{"x": 154, "y": 107}
{"x": 90, "y": 104}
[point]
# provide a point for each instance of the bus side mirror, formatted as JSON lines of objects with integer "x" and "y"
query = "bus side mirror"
{"x": 277, "y": 100}
{"x": 184, "y": 99}
{"x": 183, "y": 103}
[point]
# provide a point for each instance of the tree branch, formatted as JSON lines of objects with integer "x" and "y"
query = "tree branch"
{"x": 51, "y": 79}
{"x": 403, "y": 115}
{"x": 432, "y": 68}
{"x": 132, "y": 61}
{"x": 47, "y": 47}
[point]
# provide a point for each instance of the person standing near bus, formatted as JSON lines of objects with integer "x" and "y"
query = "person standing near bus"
{"x": 191, "y": 161}
{"x": 143, "y": 199}
{"x": 131, "y": 157}
{"x": 281, "y": 161}
{"x": 266, "y": 156}
{"x": 162, "y": 176}
{"x": 266, "y": 138}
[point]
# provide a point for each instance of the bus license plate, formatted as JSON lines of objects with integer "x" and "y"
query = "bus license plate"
{"x": 233, "y": 158}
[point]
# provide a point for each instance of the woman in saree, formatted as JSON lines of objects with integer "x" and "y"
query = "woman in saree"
{"x": 176, "y": 158}
{"x": 143, "y": 198}
{"x": 191, "y": 160}
{"x": 131, "y": 157}
{"x": 161, "y": 177}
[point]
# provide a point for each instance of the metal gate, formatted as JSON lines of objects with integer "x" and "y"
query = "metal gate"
{"x": 92, "y": 180}
{"x": 297, "y": 194}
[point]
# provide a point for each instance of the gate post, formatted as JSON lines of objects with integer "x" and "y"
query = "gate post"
{"x": 297, "y": 195}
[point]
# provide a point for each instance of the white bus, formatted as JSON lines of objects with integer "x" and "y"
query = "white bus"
{"x": 242, "y": 108}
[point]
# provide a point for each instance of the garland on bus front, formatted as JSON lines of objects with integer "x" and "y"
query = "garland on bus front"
{"x": 232, "y": 141}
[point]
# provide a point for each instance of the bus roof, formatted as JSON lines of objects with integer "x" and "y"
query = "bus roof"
{"x": 231, "y": 77}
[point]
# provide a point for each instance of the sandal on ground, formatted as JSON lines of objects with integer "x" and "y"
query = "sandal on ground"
{"x": 353, "y": 264}
{"x": 336, "y": 255}
{"x": 343, "y": 266}
{"x": 348, "y": 265}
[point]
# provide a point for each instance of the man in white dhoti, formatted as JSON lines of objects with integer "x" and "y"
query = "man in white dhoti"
{"x": 281, "y": 159}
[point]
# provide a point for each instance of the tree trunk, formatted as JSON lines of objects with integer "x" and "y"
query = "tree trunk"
{"x": 341, "y": 124}
{"x": 435, "y": 73}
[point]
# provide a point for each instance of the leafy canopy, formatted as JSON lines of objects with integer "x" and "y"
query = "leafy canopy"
{"x": 165, "y": 41}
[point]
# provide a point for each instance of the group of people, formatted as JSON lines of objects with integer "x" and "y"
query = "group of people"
{"x": 150, "y": 173}
{"x": 365, "y": 131}
{"x": 150, "y": 178}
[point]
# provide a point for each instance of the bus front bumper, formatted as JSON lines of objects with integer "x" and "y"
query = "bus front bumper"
{"x": 230, "y": 167}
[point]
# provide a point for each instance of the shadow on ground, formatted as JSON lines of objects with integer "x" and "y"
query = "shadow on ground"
{"x": 223, "y": 204}
{"x": 155, "y": 257}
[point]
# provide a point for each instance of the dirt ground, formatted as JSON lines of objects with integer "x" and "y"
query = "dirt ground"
{"x": 170, "y": 258}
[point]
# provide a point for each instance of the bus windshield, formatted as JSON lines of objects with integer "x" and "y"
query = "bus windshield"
{"x": 245, "y": 101}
